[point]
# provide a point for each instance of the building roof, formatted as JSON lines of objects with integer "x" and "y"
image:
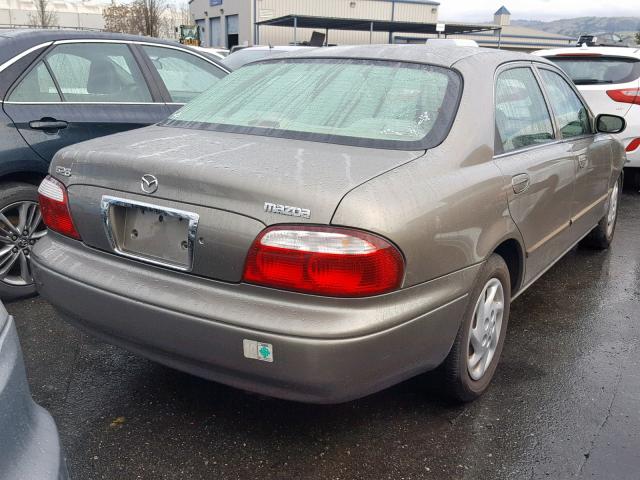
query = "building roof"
{"x": 357, "y": 24}
{"x": 503, "y": 11}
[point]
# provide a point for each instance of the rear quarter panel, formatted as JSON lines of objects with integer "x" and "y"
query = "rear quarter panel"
{"x": 448, "y": 209}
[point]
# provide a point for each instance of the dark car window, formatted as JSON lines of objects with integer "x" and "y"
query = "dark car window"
{"x": 571, "y": 114}
{"x": 522, "y": 117}
{"x": 363, "y": 102}
{"x": 185, "y": 75}
{"x": 597, "y": 70}
{"x": 98, "y": 72}
{"x": 36, "y": 86}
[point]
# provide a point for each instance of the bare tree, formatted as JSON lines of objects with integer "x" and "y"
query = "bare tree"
{"x": 140, "y": 17}
{"x": 43, "y": 17}
{"x": 120, "y": 19}
{"x": 149, "y": 15}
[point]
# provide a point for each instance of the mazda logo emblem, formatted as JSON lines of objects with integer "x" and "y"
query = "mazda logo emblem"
{"x": 149, "y": 184}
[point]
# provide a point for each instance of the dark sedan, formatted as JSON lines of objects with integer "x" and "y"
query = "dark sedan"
{"x": 63, "y": 87}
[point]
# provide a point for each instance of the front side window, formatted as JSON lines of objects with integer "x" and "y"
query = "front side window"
{"x": 185, "y": 75}
{"x": 571, "y": 114}
{"x": 37, "y": 86}
{"x": 522, "y": 117}
{"x": 346, "y": 101}
{"x": 97, "y": 72}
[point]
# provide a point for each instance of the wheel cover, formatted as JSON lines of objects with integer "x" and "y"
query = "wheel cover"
{"x": 613, "y": 209}
{"x": 486, "y": 325}
{"x": 21, "y": 227}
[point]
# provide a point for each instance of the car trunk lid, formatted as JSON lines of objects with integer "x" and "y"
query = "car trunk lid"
{"x": 235, "y": 184}
{"x": 236, "y": 173}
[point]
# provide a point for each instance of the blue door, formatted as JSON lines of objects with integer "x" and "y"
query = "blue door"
{"x": 214, "y": 32}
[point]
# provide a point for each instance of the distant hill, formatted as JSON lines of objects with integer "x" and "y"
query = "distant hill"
{"x": 574, "y": 27}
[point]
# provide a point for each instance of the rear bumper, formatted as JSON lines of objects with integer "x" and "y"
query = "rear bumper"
{"x": 29, "y": 442}
{"x": 633, "y": 159}
{"x": 324, "y": 350}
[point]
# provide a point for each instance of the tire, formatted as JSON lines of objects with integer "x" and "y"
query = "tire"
{"x": 12, "y": 195}
{"x": 600, "y": 238}
{"x": 462, "y": 383}
{"x": 633, "y": 178}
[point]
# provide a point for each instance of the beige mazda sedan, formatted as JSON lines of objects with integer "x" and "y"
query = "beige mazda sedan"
{"x": 326, "y": 224}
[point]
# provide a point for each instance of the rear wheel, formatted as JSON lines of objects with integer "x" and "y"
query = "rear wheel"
{"x": 601, "y": 237}
{"x": 473, "y": 359}
{"x": 21, "y": 227}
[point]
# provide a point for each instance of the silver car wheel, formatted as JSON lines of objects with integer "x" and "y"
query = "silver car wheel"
{"x": 613, "y": 209}
{"x": 21, "y": 227}
{"x": 485, "y": 328}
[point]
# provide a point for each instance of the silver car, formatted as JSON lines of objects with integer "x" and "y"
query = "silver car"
{"x": 323, "y": 225}
{"x": 29, "y": 443}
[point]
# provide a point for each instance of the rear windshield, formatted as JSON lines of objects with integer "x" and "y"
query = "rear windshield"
{"x": 354, "y": 102}
{"x": 599, "y": 70}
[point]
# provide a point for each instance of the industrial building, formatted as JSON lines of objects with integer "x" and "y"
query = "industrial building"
{"x": 225, "y": 23}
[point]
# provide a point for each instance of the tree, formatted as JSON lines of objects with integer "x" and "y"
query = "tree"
{"x": 638, "y": 38}
{"x": 140, "y": 17}
{"x": 149, "y": 15}
{"x": 43, "y": 17}
{"x": 120, "y": 19}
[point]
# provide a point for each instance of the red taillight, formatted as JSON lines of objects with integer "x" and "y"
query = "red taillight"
{"x": 337, "y": 262}
{"x": 54, "y": 205}
{"x": 625, "y": 95}
{"x": 633, "y": 145}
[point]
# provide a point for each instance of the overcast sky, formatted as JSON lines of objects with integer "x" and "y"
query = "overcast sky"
{"x": 482, "y": 10}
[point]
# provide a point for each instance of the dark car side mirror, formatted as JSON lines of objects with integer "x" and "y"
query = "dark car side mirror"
{"x": 610, "y": 124}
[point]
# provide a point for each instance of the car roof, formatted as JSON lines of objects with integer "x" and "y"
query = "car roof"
{"x": 442, "y": 55}
{"x": 629, "y": 52}
{"x": 14, "y": 42}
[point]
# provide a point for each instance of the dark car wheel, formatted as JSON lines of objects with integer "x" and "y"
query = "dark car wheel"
{"x": 21, "y": 227}
{"x": 601, "y": 237}
{"x": 473, "y": 359}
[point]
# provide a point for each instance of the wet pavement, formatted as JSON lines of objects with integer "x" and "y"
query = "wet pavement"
{"x": 565, "y": 402}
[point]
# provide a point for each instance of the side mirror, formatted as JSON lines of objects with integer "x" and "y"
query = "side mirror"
{"x": 610, "y": 124}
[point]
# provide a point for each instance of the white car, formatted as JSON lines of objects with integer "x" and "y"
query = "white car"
{"x": 609, "y": 80}
{"x": 238, "y": 58}
{"x": 219, "y": 53}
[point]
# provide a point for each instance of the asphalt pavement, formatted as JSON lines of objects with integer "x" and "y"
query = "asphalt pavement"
{"x": 565, "y": 402}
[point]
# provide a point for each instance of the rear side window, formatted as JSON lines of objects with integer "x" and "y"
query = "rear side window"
{"x": 185, "y": 75}
{"x": 522, "y": 117}
{"x": 353, "y": 102}
{"x": 36, "y": 86}
{"x": 571, "y": 114}
{"x": 599, "y": 70}
{"x": 98, "y": 72}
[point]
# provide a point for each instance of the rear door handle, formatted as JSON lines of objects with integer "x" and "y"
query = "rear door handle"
{"x": 48, "y": 124}
{"x": 520, "y": 183}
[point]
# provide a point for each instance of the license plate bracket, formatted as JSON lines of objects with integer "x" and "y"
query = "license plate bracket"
{"x": 150, "y": 233}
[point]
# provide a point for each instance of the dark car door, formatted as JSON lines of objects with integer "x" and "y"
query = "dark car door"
{"x": 79, "y": 90}
{"x": 181, "y": 74}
